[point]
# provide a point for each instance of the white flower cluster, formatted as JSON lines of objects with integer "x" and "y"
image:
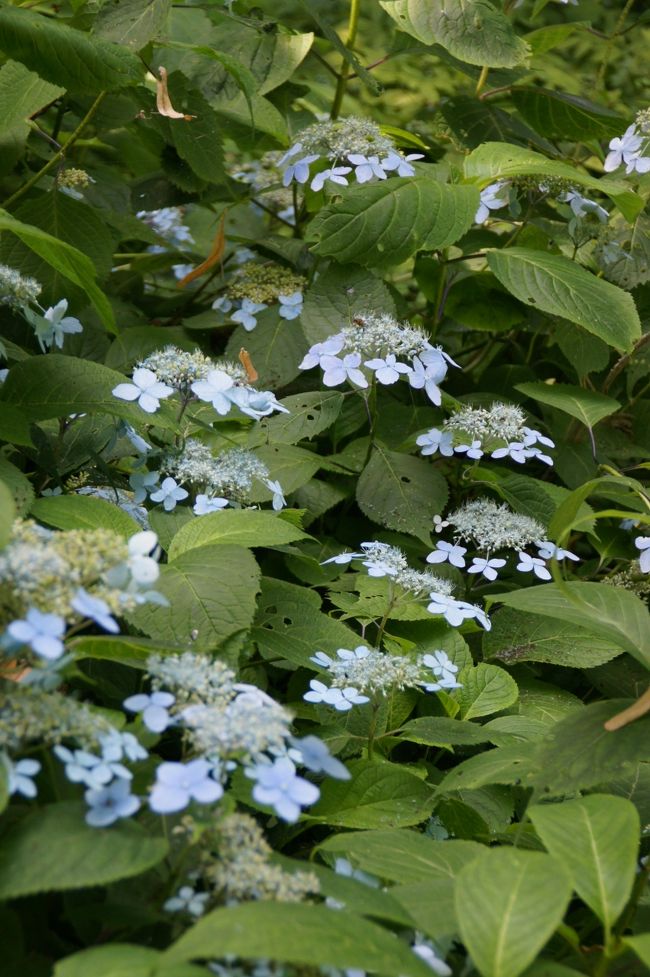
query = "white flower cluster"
{"x": 628, "y": 150}
{"x": 344, "y": 145}
{"x": 384, "y": 560}
{"x": 370, "y": 346}
{"x": 493, "y": 527}
{"x": 226, "y": 723}
{"x": 364, "y": 670}
{"x": 217, "y": 481}
{"x": 51, "y": 580}
{"x": 498, "y": 430}
{"x": 17, "y": 289}
{"x": 173, "y": 370}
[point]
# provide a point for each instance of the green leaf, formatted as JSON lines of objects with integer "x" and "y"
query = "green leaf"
{"x": 319, "y": 936}
{"x": 641, "y": 946}
{"x": 498, "y": 896}
{"x": 586, "y": 405}
{"x": 486, "y": 689}
{"x": 211, "y": 592}
{"x": 18, "y": 484}
{"x": 336, "y": 296}
{"x": 441, "y": 731}
{"x": 632, "y": 265}
{"x": 71, "y": 262}
{"x": 22, "y": 93}
{"x": 310, "y": 414}
{"x": 121, "y": 960}
{"x": 430, "y": 904}
{"x": 558, "y": 286}
{"x": 7, "y": 513}
{"x": 403, "y": 856}
{"x": 579, "y": 752}
{"x": 64, "y": 56}
{"x": 563, "y": 116}
{"x": 290, "y": 626}
{"x": 502, "y": 161}
{"x": 597, "y": 839}
{"x": 56, "y": 385}
{"x": 126, "y": 649}
{"x": 84, "y": 512}
{"x": 292, "y": 467}
{"x": 380, "y": 793}
{"x": 401, "y": 492}
{"x": 517, "y": 636}
{"x": 617, "y": 614}
{"x": 53, "y": 849}
{"x": 238, "y": 527}
{"x": 472, "y": 30}
{"x": 383, "y": 224}
{"x": 198, "y": 141}
{"x": 131, "y": 23}
{"x": 275, "y": 346}
{"x": 505, "y": 765}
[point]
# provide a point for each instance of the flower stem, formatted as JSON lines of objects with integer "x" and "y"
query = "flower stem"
{"x": 58, "y": 157}
{"x": 353, "y": 26}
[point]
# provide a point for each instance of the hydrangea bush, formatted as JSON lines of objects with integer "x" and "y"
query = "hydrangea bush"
{"x": 324, "y": 510}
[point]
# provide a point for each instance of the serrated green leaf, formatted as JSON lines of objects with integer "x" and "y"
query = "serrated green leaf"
{"x": 125, "y": 649}
{"x": 131, "y": 23}
{"x": 585, "y": 405}
{"x": 486, "y": 689}
{"x": 472, "y": 30}
{"x": 275, "y": 346}
{"x": 336, "y": 296}
{"x": 558, "y": 286}
{"x": 616, "y": 613}
{"x": 237, "y": 527}
{"x": 504, "y": 765}
{"x": 401, "y": 492}
{"x": 497, "y": 896}
{"x": 517, "y": 636}
{"x": 319, "y": 936}
{"x": 71, "y": 262}
{"x": 310, "y": 414}
{"x": 563, "y": 116}
{"x": 379, "y": 794}
{"x": 383, "y": 224}
{"x": 631, "y": 264}
{"x": 597, "y": 839}
{"x": 641, "y": 946}
{"x": 18, "y": 484}
{"x": 65, "y": 56}
{"x": 440, "y": 731}
{"x": 84, "y": 512}
{"x": 53, "y": 849}
{"x": 22, "y": 93}
{"x": 211, "y": 592}
{"x": 430, "y": 904}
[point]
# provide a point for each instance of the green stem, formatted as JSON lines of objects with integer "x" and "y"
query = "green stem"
{"x": 372, "y": 728}
{"x": 58, "y": 157}
{"x": 482, "y": 78}
{"x": 353, "y": 26}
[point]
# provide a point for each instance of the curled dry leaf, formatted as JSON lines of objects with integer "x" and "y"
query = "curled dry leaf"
{"x": 244, "y": 358}
{"x": 163, "y": 101}
{"x": 215, "y": 256}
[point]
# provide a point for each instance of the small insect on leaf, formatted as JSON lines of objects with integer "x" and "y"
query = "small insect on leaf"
{"x": 251, "y": 373}
{"x": 215, "y": 256}
{"x": 164, "y": 102}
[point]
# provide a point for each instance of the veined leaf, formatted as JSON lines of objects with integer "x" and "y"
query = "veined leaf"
{"x": 486, "y": 689}
{"x": 472, "y": 30}
{"x": 585, "y": 405}
{"x": 21, "y": 94}
{"x": 566, "y": 116}
{"x": 238, "y": 527}
{"x": 560, "y": 287}
{"x": 84, "y": 512}
{"x": 131, "y": 23}
{"x": 385, "y": 223}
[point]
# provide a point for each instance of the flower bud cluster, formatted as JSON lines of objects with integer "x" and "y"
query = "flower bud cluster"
{"x": 498, "y": 430}
{"x": 377, "y": 345}
{"x": 255, "y": 286}
{"x": 17, "y": 289}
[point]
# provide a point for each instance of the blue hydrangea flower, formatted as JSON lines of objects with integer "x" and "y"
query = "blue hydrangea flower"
{"x": 109, "y": 804}
{"x": 42, "y": 632}
{"x": 96, "y": 609}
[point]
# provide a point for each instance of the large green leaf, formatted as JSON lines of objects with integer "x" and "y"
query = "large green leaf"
{"x": 7, "y": 513}
{"x": 585, "y": 405}
{"x": 336, "y": 296}
{"x": 597, "y": 839}
{"x": 486, "y": 689}
{"x": 22, "y": 93}
{"x": 641, "y": 946}
{"x": 401, "y": 492}
{"x": 237, "y": 527}
{"x": 506, "y": 765}
{"x": 121, "y": 960}
{"x": 379, "y": 794}
{"x": 563, "y": 116}
{"x": 211, "y": 592}
{"x": 84, "y": 512}
{"x": 319, "y": 936}
{"x": 64, "y": 56}
{"x": 310, "y": 413}
{"x": 290, "y": 625}
{"x": 517, "y": 636}
{"x": 53, "y": 849}
{"x": 631, "y": 264}
{"x": 56, "y": 385}
{"x": 383, "y": 224}
{"x": 71, "y": 262}
{"x": 442, "y": 731}
{"x": 558, "y": 286}
{"x": 275, "y": 346}
{"x": 472, "y": 30}
{"x": 430, "y": 904}
{"x": 502, "y": 161}
{"x": 508, "y": 904}
{"x": 403, "y": 856}
{"x": 616, "y": 613}
{"x": 131, "y": 23}
{"x": 18, "y": 484}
